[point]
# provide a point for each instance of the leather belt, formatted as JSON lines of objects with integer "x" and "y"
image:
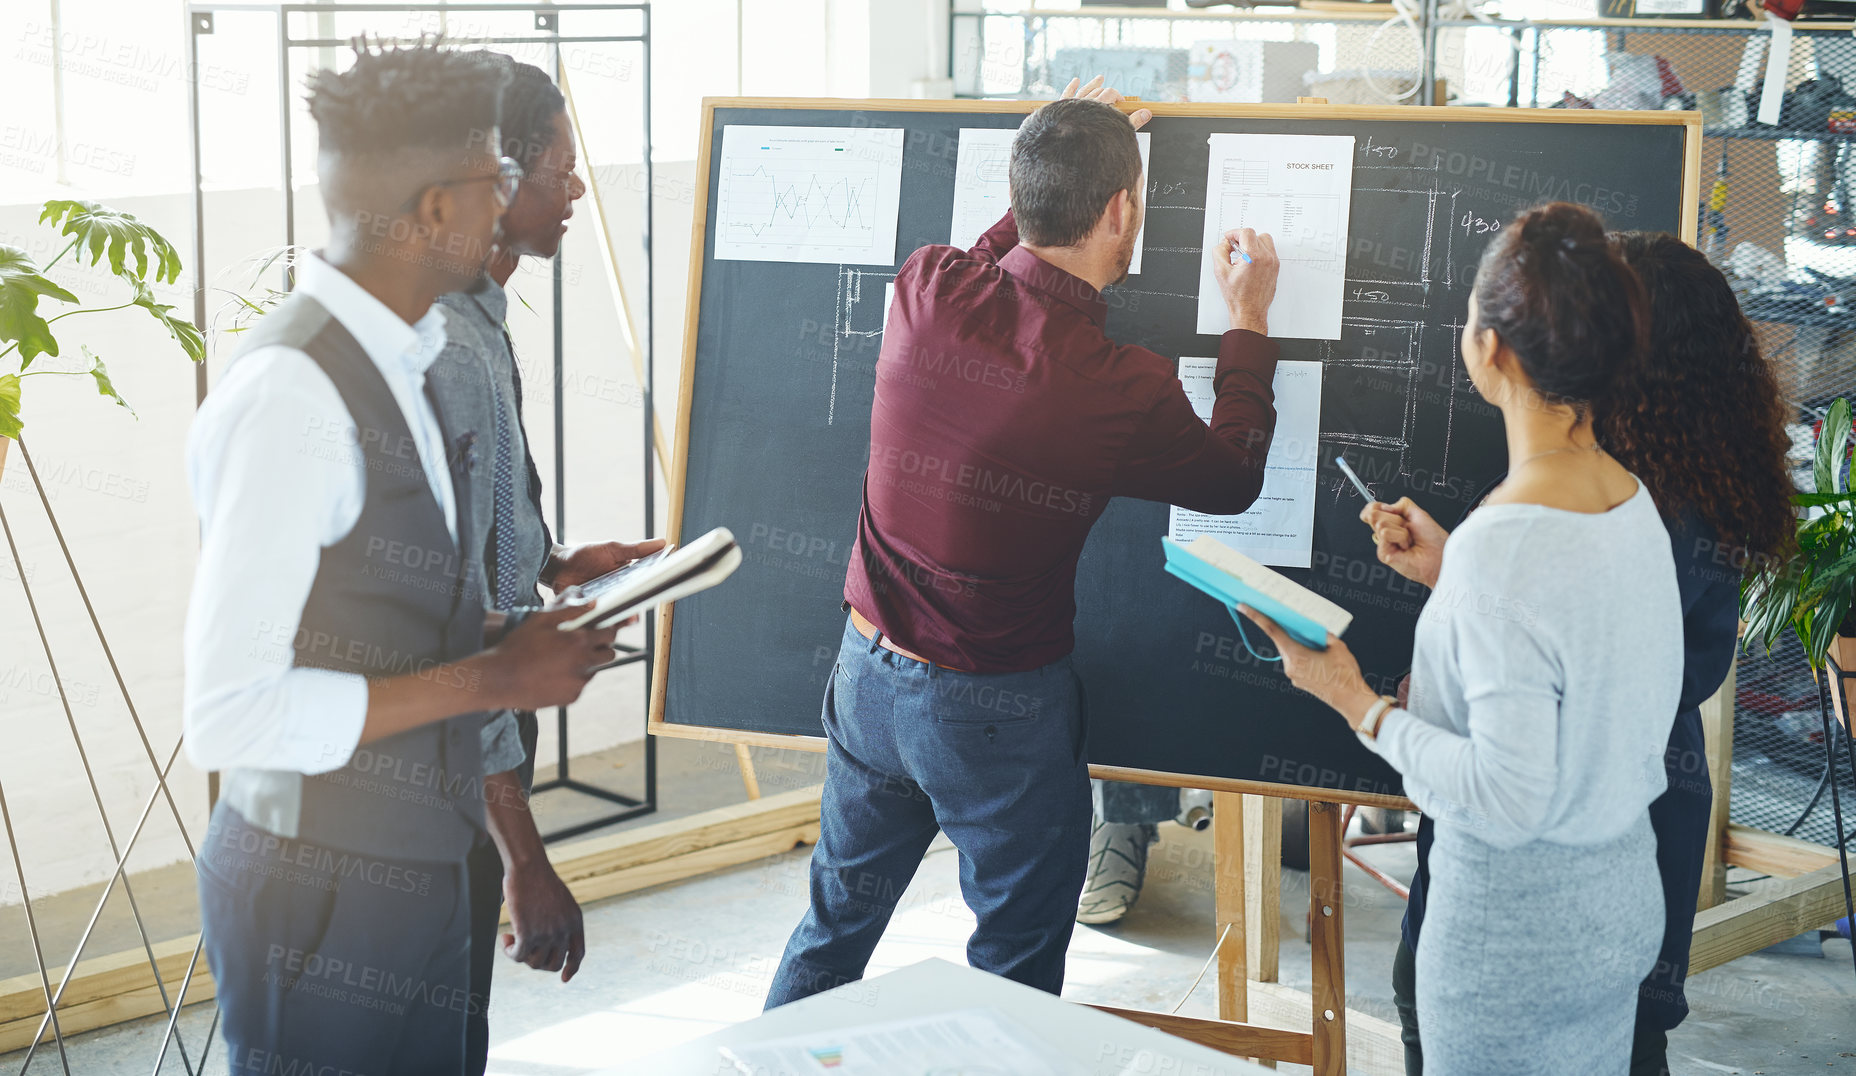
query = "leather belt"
{"x": 869, "y": 631}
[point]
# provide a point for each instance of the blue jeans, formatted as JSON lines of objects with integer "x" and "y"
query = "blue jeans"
{"x": 997, "y": 762}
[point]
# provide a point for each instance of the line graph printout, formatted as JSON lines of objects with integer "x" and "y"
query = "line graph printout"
{"x": 983, "y": 190}
{"x": 809, "y": 194}
{"x": 1279, "y": 527}
{"x": 1298, "y": 188}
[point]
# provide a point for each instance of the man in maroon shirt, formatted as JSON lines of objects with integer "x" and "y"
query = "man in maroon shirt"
{"x": 1004, "y": 420}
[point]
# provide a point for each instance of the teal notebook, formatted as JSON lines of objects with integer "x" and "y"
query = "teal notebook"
{"x": 1234, "y": 579}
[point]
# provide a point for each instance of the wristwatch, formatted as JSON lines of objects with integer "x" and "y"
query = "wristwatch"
{"x": 1376, "y": 716}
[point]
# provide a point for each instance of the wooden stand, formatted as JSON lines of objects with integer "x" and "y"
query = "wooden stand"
{"x": 1246, "y": 843}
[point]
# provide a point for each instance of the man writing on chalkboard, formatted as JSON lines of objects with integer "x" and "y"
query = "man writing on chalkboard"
{"x": 1004, "y": 419}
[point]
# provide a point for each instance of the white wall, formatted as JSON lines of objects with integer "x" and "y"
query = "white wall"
{"x": 118, "y": 483}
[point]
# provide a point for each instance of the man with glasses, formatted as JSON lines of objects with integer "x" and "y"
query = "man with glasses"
{"x": 336, "y": 673}
{"x": 477, "y": 380}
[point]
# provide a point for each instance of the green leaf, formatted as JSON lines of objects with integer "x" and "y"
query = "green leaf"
{"x": 1835, "y": 574}
{"x": 181, "y": 329}
{"x": 1832, "y": 440}
{"x": 1819, "y": 500}
{"x": 21, "y": 284}
{"x": 10, "y": 425}
{"x": 101, "y": 229}
{"x": 102, "y": 377}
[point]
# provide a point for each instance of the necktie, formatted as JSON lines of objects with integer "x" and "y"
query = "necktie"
{"x": 507, "y": 591}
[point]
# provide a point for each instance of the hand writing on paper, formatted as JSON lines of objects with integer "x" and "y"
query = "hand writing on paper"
{"x": 1248, "y": 287}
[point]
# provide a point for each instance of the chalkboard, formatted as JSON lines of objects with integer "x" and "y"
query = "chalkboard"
{"x": 779, "y": 372}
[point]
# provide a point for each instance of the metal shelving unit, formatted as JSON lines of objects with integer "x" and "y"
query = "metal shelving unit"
{"x": 998, "y": 50}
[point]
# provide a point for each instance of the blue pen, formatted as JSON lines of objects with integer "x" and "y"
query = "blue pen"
{"x": 1238, "y": 252}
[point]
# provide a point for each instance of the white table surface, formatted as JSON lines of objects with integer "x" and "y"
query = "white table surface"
{"x": 1100, "y": 1043}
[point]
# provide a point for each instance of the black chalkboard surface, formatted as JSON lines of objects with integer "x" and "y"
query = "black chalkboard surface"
{"x": 779, "y": 372}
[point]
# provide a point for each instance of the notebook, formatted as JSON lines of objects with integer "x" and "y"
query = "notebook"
{"x": 1235, "y": 579}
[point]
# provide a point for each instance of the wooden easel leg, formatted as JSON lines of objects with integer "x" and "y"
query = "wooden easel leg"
{"x": 749, "y": 779}
{"x": 1228, "y": 878}
{"x": 1262, "y": 886}
{"x": 1328, "y": 985}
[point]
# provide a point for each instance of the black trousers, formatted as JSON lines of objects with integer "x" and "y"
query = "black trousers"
{"x": 484, "y": 870}
{"x": 330, "y": 961}
{"x": 1649, "y": 1048}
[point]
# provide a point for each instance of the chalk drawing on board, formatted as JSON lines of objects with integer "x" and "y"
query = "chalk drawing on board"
{"x": 856, "y": 329}
{"x": 809, "y": 194}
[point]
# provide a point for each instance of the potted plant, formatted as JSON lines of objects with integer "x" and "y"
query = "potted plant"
{"x": 1811, "y": 594}
{"x": 136, "y": 254}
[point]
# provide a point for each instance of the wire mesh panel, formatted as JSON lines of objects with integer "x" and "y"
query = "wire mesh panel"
{"x": 1777, "y": 216}
{"x": 1780, "y": 777}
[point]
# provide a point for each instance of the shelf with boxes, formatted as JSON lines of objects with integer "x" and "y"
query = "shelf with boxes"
{"x": 1779, "y": 197}
{"x": 1347, "y": 52}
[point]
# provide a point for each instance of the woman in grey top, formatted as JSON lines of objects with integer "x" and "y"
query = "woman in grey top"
{"x": 1546, "y": 668}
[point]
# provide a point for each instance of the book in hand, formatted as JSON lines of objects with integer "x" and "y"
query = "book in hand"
{"x": 1235, "y": 579}
{"x": 659, "y": 579}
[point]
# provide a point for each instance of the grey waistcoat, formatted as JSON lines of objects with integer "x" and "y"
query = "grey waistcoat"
{"x": 392, "y": 597}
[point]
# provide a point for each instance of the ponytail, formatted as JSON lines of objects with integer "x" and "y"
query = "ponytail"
{"x": 1564, "y": 301}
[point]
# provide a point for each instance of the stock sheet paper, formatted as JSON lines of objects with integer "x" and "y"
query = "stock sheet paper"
{"x": 1298, "y": 188}
{"x": 809, "y": 194}
{"x": 1279, "y": 528}
{"x": 983, "y": 191}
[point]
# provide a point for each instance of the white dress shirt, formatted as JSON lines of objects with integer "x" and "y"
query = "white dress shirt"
{"x": 277, "y": 477}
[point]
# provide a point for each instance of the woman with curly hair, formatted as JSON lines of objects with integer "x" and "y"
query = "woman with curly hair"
{"x": 1698, "y": 419}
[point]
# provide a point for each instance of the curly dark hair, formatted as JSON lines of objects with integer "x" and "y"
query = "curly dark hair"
{"x": 419, "y": 97}
{"x": 1699, "y": 418}
{"x": 530, "y": 103}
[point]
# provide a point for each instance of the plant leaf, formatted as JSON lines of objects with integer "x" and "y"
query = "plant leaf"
{"x": 181, "y": 329}
{"x": 101, "y": 229}
{"x": 102, "y": 378}
{"x": 1819, "y": 500}
{"x": 21, "y": 284}
{"x": 10, "y": 425}
{"x": 1832, "y": 440}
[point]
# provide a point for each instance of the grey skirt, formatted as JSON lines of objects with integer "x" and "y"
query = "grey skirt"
{"x": 1530, "y": 958}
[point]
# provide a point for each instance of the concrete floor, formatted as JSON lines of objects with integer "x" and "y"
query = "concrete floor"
{"x": 671, "y": 963}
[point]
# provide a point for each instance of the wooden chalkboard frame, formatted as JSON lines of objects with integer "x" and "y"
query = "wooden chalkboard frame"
{"x": 656, "y": 725}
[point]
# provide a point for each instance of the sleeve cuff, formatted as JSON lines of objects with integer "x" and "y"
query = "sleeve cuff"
{"x": 1390, "y": 727}
{"x": 502, "y": 743}
{"x": 1248, "y": 349}
{"x": 330, "y": 710}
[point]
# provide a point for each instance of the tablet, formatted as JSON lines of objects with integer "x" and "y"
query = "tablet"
{"x": 659, "y": 579}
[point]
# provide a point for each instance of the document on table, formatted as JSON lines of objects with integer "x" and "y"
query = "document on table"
{"x": 982, "y": 188}
{"x": 1298, "y": 188}
{"x": 1279, "y": 528}
{"x": 809, "y": 194}
{"x": 980, "y": 1041}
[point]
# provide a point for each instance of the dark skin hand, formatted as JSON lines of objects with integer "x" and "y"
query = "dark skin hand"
{"x": 572, "y": 565}
{"x": 546, "y": 931}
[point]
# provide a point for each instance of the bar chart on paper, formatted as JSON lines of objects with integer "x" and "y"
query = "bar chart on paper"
{"x": 1298, "y": 188}
{"x": 809, "y": 194}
